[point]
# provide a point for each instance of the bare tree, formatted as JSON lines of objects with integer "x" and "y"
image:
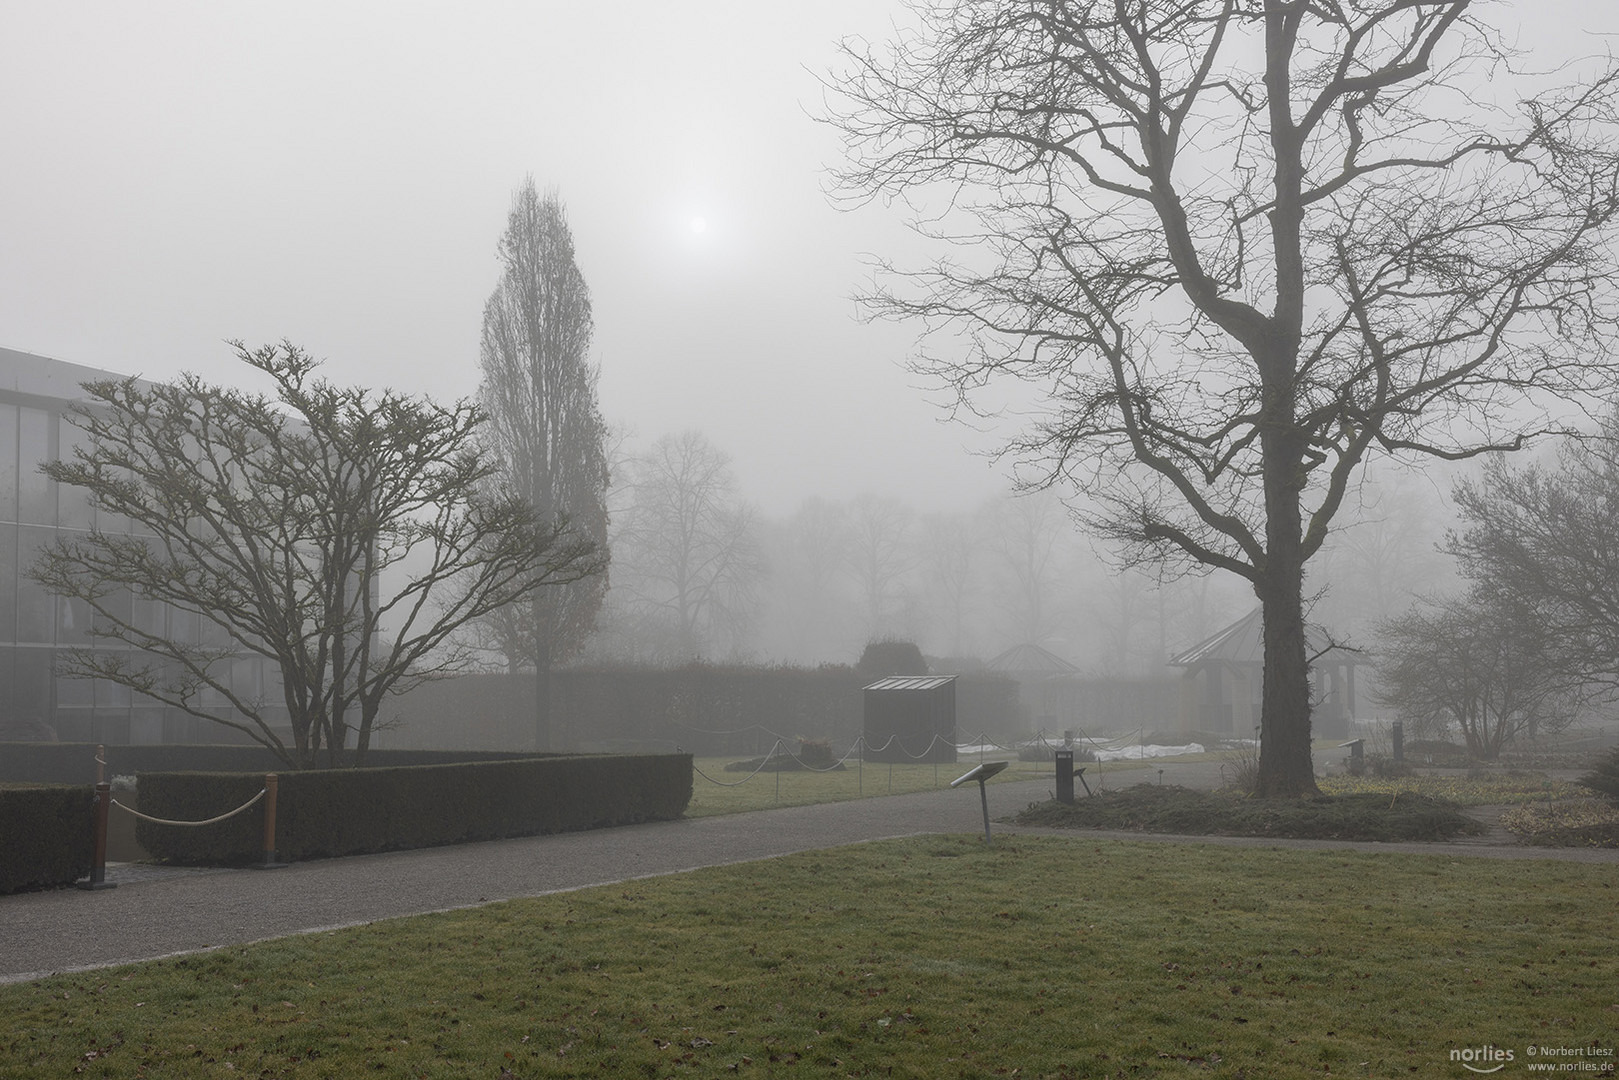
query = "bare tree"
{"x": 539, "y": 389}
{"x": 1240, "y": 246}
{"x": 1025, "y": 536}
{"x": 880, "y": 556}
{"x": 1548, "y": 535}
{"x": 340, "y": 535}
{"x": 690, "y": 562}
{"x": 951, "y": 557}
{"x": 1482, "y": 661}
{"x": 1372, "y": 568}
{"x": 808, "y": 579}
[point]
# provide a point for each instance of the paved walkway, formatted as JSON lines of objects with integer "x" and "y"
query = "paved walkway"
{"x": 153, "y": 914}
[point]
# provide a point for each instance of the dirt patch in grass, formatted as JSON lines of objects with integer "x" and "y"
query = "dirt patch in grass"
{"x": 1172, "y": 809}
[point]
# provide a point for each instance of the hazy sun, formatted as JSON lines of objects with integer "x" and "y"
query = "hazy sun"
{"x": 699, "y": 225}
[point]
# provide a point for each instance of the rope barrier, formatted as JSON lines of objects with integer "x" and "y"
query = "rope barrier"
{"x": 210, "y": 821}
{"x": 745, "y": 779}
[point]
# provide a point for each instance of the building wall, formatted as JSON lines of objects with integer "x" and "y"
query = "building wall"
{"x": 35, "y": 627}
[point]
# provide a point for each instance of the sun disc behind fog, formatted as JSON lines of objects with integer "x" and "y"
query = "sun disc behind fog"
{"x": 698, "y": 225}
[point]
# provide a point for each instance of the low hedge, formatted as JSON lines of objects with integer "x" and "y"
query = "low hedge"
{"x": 75, "y": 763}
{"x": 356, "y": 811}
{"x": 46, "y": 835}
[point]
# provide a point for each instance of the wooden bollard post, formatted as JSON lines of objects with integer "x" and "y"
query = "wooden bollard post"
{"x": 269, "y": 862}
{"x": 98, "y": 865}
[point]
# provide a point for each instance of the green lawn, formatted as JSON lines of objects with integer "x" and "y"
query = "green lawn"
{"x": 716, "y": 791}
{"x": 930, "y": 957}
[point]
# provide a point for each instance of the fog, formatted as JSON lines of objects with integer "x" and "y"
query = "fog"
{"x": 338, "y": 174}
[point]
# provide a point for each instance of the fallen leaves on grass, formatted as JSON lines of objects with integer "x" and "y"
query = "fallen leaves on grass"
{"x": 1576, "y": 823}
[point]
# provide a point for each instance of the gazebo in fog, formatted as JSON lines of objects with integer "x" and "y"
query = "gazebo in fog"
{"x": 1224, "y": 676}
{"x": 1045, "y": 681}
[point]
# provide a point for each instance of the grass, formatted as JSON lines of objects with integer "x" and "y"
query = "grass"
{"x": 928, "y": 957}
{"x": 716, "y": 791}
{"x": 1484, "y": 791}
{"x": 1173, "y": 809}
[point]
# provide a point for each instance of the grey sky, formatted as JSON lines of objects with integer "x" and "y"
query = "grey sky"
{"x": 338, "y": 174}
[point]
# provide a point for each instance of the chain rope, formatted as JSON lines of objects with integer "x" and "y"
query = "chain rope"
{"x": 210, "y": 821}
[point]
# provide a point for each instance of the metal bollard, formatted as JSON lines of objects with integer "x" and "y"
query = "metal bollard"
{"x": 269, "y": 862}
{"x": 98, "y": 865}
{"x": 1065, "y": 775}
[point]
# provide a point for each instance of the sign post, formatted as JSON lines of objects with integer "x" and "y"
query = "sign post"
{"x": 981, "y": 773}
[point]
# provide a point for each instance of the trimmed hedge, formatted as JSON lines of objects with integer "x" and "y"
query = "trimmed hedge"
{"x": 75, "y": 763}
{"x": 357, "y": 811}
{"x": 46, "y": 836}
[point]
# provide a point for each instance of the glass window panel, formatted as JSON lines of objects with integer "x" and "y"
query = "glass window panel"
{"x": 31, "y": 697}
{"x": 146, "y": 726}
{"x": 74, "y": 692}
{"x": 183, "y": 626}
{"x": 36, "y": 608}
{"x": 118, "y": 604}
{"x": 110, "y": 522}
{"x": 74, "y": 725}
{"x": 8, "y": 463}
{"x": 73, "y": 619}
{"x": 8, "y": 669}
{"x": 8, "y": 583}
{"x": 77, "y": 510}
{"x": 214, "y": 633}
{"x": 147, "y": 615}
{"x": 36, "y": 493}
{"x": 112, "y": 728}
{"x": 244, "y": 678}
{"x": 111, "y": 694}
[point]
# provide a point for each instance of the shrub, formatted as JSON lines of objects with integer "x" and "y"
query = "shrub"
{"x": 1041, "y": 749}
{"x": 45, "y": 835}
{"x": 815, "y": 753}
{"x": 1239, "y": 770}
{"x": 1171, "y": 809}
{"x": 354, "y": 811}
{"x": 1384, "y": 767}
{"x": 1604, "y": 779}
{"x": 883, "y": 658}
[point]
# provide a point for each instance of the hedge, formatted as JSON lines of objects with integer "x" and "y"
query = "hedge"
{"x": 46, "y": 835}
{"x": 75, "y": 763}
{"x": 357, "y": 811}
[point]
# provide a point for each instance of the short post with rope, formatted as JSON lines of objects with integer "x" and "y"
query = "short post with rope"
{"x": 98, "y": 862}
{"x": 104, "y": 801}
{"x": 269, "y": 863}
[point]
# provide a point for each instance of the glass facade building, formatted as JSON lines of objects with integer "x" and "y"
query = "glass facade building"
{"x": 35, "y": 626}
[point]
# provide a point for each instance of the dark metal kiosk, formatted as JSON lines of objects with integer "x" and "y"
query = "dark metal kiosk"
{"x": 911, "y": 718}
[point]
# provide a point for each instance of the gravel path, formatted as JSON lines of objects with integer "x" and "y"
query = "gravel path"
{"x": 159, "y": 912}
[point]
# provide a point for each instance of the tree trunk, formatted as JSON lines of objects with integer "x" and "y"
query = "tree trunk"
{"x": 542, "y": 677}
{"x": 1285, "y": 765}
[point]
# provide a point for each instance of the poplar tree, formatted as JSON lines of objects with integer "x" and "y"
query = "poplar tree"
{"x": 545, "y": 427}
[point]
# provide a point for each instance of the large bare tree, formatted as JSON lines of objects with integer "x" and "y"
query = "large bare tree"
{"x": 1239, "y": 246}
{"x": 342, "y": 536}
{"x": 539, "y": 388}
